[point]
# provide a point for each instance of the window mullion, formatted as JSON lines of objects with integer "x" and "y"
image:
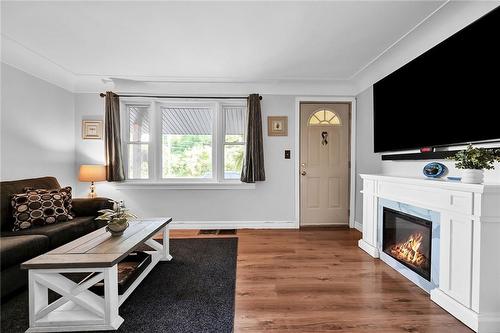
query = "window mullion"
{"x": 125, "y": 134}
{"x": 219, "y": 143}
{"x": 156, "y": 141}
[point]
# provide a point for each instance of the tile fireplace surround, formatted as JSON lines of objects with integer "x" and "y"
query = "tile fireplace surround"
{"x": 469, "y": 245}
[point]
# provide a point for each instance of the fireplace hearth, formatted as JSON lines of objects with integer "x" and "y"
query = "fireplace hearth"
{"x": 407, "y": 239}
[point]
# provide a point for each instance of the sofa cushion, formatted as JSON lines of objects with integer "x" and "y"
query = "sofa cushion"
{"x": 64, "y": 191}
{"x": 39, "y": 207}
{"x": 17, "y": 249}
{"x": 61, "y": 233}
{"x": 8, "y": 188}
{"x": 90, "y": 206}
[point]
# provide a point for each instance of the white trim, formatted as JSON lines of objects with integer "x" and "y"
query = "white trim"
{"x": 358, "y": 226}
{"x": 223, "y": 105}
{"x": 371, "y": 250}
{"x": 442, "y": 23}
{"x": 233, "y": 225}
{"x": 140, "y": 185}
{"x": 397, "y": 41}
{"x": 462, "y": 313}
{"x": 434, "y": 28}
{"x": 155, "y": 156}
{"x": 352, "y": 183}
{"x": 431, "y": 182}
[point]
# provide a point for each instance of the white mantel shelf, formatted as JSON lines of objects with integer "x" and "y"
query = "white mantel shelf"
{"x": 469, "y": 264}
{"x": 437, "y": 183}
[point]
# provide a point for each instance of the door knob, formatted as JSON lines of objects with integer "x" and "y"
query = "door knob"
{"x": 303, "y": 173}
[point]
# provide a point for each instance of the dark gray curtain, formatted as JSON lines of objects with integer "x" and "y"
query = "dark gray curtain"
{"x": 253, "y": 166}
{"x": 112, "y": 139}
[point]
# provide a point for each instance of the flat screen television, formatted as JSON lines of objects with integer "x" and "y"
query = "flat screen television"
{"x": 449, "y": 95}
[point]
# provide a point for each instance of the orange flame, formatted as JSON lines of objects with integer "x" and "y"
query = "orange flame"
{"x": 408, "y": 251}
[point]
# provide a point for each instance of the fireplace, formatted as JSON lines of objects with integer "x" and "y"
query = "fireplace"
{"x": 407, "y": 239}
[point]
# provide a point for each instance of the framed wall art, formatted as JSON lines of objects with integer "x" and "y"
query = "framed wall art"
{"x": 277, "y": 126}
{"x": 92, "y": 129}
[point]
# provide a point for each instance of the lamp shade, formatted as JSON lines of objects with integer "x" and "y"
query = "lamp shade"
{"x": 92, "y": 173}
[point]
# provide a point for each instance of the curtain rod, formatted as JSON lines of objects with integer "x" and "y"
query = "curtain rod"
{"x": 194, "y": 97}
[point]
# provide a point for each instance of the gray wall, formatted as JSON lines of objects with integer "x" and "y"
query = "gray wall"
{"x": 271, "y": 202}
{"x": 366, "y": 160}
{"x": 369, "y": 162}
{"x": 37, "y": 128}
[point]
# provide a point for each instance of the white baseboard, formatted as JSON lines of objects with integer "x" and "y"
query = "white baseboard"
{"x": 371, "y": 250}
{"x": 465, "y": 315}
{"x": 233, "y": 225}
{"x": 358, "y": 225}
{"x": 489, "y": 322}
{"x": 481, "y": 323}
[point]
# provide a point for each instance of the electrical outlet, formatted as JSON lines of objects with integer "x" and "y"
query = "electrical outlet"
{"x": 287, "y": 154}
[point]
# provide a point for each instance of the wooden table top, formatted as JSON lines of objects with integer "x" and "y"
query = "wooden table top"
{"x": 98, "y": 248}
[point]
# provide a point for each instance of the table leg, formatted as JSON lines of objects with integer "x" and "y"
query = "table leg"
{"x": 38, "y": 297}
{"x": 111, "y": 297}
{"x": 78, "y": 308}
{"x": 166, "y": 244}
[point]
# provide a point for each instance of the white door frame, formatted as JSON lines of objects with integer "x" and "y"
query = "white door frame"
{"x": 352, "y": 183}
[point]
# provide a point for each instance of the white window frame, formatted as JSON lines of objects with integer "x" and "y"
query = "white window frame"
{"x": 223, "y": 145}
{"x": 155, "y": 157}
{"x": 125, "y": 134}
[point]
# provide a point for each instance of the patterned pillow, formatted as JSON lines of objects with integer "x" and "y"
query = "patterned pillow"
{"x": 65, "y": 192}
{"x": 39, "y": 207}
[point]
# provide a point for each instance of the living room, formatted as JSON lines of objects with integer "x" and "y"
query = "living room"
{"x": 250, "y": 166}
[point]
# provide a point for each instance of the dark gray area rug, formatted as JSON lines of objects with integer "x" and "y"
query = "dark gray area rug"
{"x": 192, "y": 293}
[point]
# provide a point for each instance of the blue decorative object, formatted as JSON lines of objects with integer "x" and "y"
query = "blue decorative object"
{"x": 435, "y": 170}
{"x": 456, "y": 179}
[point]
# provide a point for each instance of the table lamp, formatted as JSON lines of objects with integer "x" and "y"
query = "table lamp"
{"x": 92, "y": 173}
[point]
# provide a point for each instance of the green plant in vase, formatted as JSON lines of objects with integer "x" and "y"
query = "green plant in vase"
{"x": 473, "y": 161}
{"x": 117, "y": 218}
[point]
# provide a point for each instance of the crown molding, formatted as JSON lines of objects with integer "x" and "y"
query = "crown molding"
{"x": 23, "y": 58}
{"x": 436, "y": 27}
{"x": 443, "y": 23}
{"x": 19, "y": 56}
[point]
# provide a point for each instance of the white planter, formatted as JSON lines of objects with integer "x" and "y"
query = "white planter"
{"x": 472, "y": 176}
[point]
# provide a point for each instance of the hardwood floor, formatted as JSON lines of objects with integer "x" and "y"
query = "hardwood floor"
{"x": 318, "y": 280}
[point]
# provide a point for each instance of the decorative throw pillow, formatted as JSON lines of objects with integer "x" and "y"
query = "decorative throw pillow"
{"x": 39, "y": 207}
{"x": 65, "y": 192}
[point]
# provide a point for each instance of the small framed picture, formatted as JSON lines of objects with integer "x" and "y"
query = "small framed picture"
{"x": 92, "y": 129}
{"x": 277, "y": 126}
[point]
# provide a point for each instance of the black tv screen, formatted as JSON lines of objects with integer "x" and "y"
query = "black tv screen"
{"x": 448, "y": 95}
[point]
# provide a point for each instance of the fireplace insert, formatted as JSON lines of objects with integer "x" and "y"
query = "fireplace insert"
{"x": 407, "y": 239}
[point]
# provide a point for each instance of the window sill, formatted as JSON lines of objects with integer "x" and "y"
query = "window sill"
{"x": 135, "y": 185}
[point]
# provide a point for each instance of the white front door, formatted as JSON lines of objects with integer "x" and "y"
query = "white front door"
{"x": 324, "y": 163}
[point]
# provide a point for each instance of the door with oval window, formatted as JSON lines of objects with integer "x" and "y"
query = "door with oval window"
{"x": 324, "y": 163}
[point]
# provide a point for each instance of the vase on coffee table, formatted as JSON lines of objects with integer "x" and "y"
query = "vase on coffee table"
{"x": 117, "y": 218}
{"x": 117, "y": 226}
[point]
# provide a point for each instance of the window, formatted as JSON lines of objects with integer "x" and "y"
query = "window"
{"x": 184, "y": 141}
{"x": 324, "y": 117}
{"x": 187, "y": 143}
{"x": 234, "y": 141}
{"x": 137, "y": 148}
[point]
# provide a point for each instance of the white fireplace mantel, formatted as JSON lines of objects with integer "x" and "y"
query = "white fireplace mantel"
{"x": 469, "y": 261}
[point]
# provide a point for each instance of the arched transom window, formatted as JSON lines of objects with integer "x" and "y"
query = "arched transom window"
{"x": 324, "y": 117}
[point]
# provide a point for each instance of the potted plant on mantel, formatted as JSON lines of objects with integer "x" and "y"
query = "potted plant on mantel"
{"x": 473, "y": 161}
{"x": 117, "y": 218}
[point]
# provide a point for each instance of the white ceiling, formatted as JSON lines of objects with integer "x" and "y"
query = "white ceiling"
{"x": 241, "y": 41}
{"x": 321, "y": 41}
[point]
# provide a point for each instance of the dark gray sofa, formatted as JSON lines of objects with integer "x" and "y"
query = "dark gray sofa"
{"x": 17, "y": 247}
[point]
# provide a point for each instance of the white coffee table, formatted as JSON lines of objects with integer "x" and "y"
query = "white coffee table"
{"x": 97, "y": 253}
